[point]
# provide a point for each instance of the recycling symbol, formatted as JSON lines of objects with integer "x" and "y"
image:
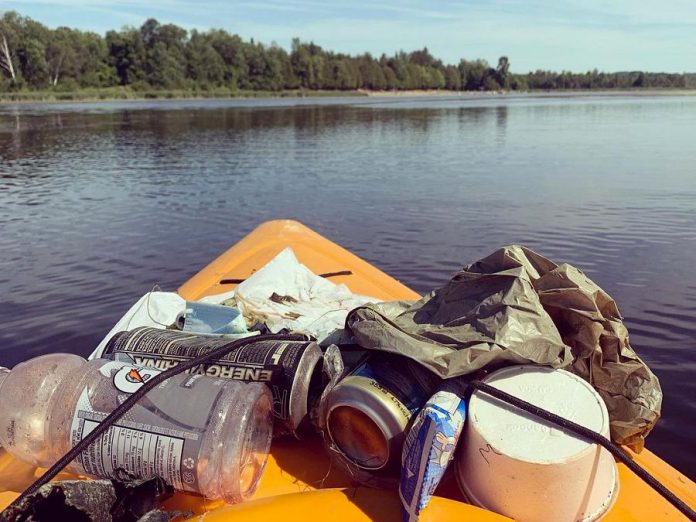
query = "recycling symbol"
{"x": 189, "y": 462}
{"x": 188, "y": 477}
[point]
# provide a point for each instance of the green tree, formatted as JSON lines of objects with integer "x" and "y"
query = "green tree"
{"x": 127, "y": 55}
{"x": 203, "y": 63}
{"x": 163, "y": 68}
{"x": 424, "y": 58}
{"x": 166, "y": 56}
{"x": 165, "y": 59}
{"x": 62, "y": 54}
{"x": 29, "y": 40}
{"x": 308, "y": 63}
{"x": 502, "y": 72}
{"x": 230, "y": 47}
{"x": 390, "y": 80}
{"x": 95, "y": 70}
{"x": 490, "y": 83}
{"x": 453, "y": 80}
{"x": 343, "y": 74}
{"x": 403, "y": 71}
{"x": 436, "y": 77}
{"x": 8, "y": 45}
{"x": 32, "y": 61}
{"x": 518, "y": 82}
{"x": 371, "y": 73}
{"x": 301, "y": 61}
{"x": 264, "y": 68}
{"x": 473, "y": 74}
{"x": 639, "y": 81}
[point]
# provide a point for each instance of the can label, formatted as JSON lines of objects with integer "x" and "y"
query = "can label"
{"x": 389, "y": 390}
{"x": 161, "y": 435}
{"x": 274, "y": 363}
{"x": 402, "y": 382}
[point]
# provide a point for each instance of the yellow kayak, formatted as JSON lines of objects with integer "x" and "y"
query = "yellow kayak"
{"x": 299, "y": 482}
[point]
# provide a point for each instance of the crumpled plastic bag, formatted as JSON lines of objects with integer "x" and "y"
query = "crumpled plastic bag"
{"x": 477, "y": 320}
{"x": 517, "y": 307}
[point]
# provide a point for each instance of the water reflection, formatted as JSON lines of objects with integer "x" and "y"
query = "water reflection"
{"x": 100, "y": 201}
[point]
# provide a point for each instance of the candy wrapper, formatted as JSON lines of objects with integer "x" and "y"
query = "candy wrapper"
{"x": 428, "y": 449}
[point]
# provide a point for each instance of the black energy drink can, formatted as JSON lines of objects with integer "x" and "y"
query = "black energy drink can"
{"x": 288, "y": 368}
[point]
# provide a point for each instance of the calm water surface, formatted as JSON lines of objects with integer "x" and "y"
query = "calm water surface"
{"x": 100, "y": 201}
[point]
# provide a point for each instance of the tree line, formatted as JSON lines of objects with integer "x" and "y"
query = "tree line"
{"x": 166, "y": 56}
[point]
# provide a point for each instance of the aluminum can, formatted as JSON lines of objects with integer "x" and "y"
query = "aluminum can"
{"x": 368, "y": 412}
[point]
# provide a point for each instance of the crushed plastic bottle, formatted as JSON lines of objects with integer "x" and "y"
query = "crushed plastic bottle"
{"x": 202, "y": 435}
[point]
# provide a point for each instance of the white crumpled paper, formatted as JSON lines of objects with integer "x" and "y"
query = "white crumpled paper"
{"x": 302, "y": 301}
{"x": 287, "y": 294}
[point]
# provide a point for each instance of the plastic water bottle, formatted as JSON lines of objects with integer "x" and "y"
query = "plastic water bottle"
{"x": 202, "y": 435}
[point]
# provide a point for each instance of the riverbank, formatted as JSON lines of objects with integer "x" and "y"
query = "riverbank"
{"x": 540, "y": 93}
{"x": 127, "y": 94}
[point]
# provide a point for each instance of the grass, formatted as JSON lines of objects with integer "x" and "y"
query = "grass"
{"x": 126, "y": 93}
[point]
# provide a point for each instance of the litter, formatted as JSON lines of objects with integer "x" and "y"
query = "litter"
{"x": 171, "y": 433}
{"x": 429, "y": 447}
{"x": 205, "y": 318}
{"x": 517, "y": 307}
{"x": 525, "y": 468}
{"x": 286, "y": 295}
{"x": 97, "y": 501}
{"x": 367, "y": 413}
{"x": 288, "y": 368}
{"x": 399, "y": 411}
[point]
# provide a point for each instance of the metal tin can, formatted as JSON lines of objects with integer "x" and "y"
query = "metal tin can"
{"x": 288, "y": 368}
{"x": 367, "y": 413}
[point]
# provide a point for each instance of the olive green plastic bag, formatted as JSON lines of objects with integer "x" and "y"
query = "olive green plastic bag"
{"x": 517, "y": 307}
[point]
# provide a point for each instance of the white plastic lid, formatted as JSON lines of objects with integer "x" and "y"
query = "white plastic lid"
{"x": 557, "y": 391}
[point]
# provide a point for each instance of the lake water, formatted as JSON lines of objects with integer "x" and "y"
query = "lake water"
{"x": 100, "y": 201}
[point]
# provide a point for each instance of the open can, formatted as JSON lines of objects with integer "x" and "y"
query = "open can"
{"x": 367, "y": 413}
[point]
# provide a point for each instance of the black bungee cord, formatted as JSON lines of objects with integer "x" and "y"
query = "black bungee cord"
{"x": 586, "y": 433}
{"x": 569, "y": 426}
{"x": 127, "y": 404}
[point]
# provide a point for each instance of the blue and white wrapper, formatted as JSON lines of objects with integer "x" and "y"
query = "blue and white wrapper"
{"x": 428, "y": 449}
{"x": 206, "y": 318}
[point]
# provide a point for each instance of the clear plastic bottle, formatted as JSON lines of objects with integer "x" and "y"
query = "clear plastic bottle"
{"x": 202, "y": 435}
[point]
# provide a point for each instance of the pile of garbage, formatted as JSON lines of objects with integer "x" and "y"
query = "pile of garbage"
{"x": 383, "y": 383}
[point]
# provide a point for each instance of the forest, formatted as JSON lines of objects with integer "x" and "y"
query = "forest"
{"x": 158, "y": 56}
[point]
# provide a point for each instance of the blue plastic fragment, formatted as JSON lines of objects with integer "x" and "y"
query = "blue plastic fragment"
{"x": 428, "y": 449}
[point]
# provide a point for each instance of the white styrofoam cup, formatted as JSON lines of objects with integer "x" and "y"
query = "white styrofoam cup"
{"x": 518, "y": 465}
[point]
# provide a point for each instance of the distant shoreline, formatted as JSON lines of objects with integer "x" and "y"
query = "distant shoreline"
{"x": 119, "y": 94}
{"x": 111, "y": 94}
{"x": 561, "y": 93}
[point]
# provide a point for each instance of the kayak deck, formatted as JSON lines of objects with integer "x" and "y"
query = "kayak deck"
{"x": 299, "y": 481}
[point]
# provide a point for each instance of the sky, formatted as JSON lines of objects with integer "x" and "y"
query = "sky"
{"x": 576, "y": 35}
